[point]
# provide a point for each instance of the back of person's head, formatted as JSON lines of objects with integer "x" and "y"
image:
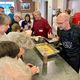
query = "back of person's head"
{"x": 8, "y": 48}
{"x": 15, "y": 27}
{"x": 4, "y": 19}
{"x": 21, "y": 39}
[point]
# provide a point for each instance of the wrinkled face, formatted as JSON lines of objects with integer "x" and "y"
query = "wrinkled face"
{"x": 62, "y": 23}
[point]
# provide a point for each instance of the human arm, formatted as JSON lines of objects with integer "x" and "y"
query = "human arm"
{"x": 34, "y": 69}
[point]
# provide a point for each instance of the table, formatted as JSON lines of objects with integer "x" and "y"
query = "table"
{"x": 56, "y": 69}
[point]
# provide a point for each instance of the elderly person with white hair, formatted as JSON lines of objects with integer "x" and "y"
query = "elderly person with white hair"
{"x": 23, "y": 42}
{"x": 41, "y": 26}
{"x": 10, "y": 67}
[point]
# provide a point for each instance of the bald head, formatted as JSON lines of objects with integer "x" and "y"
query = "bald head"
{"x": 63, "y": 20}
{"x": 63, "y": 17}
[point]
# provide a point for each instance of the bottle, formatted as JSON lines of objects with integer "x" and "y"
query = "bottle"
{"x": 45, "y": 58}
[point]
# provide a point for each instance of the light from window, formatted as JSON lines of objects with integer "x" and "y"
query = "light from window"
{"x": 6, "y": 6}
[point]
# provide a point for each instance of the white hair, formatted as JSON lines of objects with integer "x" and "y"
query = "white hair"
{"x": 20, "y": 39}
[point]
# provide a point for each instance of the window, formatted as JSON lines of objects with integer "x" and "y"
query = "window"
{"x": 6, "y": 6}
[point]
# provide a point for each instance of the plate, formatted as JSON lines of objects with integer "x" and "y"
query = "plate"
{"x": 52, "y": 40}
{"x": 38, "y": 39}
{"x": 46, "y": 48}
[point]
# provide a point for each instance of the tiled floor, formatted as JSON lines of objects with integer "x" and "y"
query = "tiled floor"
{"x": 56, "y": 68}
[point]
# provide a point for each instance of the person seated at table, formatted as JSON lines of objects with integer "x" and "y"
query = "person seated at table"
{"x": 17, "y": 19}
{"x": 19, "y": 38}
{"x": 40, "y": 25}
{"x": 12, "y": 67}
{"x": 16, "y": 28}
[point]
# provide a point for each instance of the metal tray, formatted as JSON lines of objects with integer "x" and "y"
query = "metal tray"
{"x": 46, "y": 48}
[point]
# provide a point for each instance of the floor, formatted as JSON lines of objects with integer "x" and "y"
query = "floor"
{"x": 56, "y": 68}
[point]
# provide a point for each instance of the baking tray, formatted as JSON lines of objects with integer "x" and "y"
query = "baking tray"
{"x": 46, "y": 48}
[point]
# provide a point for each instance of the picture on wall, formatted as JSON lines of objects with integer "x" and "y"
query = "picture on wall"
{"x": 25, "y": 6}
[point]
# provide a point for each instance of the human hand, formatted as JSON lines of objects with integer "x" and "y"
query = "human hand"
{"x": 50, "y": 36}
{"x": 34, "y": 69}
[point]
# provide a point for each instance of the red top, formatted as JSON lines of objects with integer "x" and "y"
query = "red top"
{"x": 41, "y": 28}
{"x": 76, "y": 18}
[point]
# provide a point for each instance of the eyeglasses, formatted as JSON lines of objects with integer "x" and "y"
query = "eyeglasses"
{"x": 59, "y": 23}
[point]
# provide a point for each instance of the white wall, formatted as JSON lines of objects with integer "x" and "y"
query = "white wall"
{"x": 6, "y": 0}
{"x": 74, "y": 5}
{"x": 50, "y": 10}
{"x": 61, "y": 4}
{"x": 41, "y": 7}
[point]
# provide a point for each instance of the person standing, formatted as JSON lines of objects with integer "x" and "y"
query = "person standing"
{"x": 76, "y": 18}
{"x": 13, "y": 68}
{"x": 40, "y": 25}
{"x": 70, "y": 38}
{"x": 1, "y": 10}
{"x": 11, "y": 14}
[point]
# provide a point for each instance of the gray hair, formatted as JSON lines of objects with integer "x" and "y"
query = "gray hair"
{"x": 20, "y": 39}
{"x": 4, "y": 19}
{"x": 37, "y": 13}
